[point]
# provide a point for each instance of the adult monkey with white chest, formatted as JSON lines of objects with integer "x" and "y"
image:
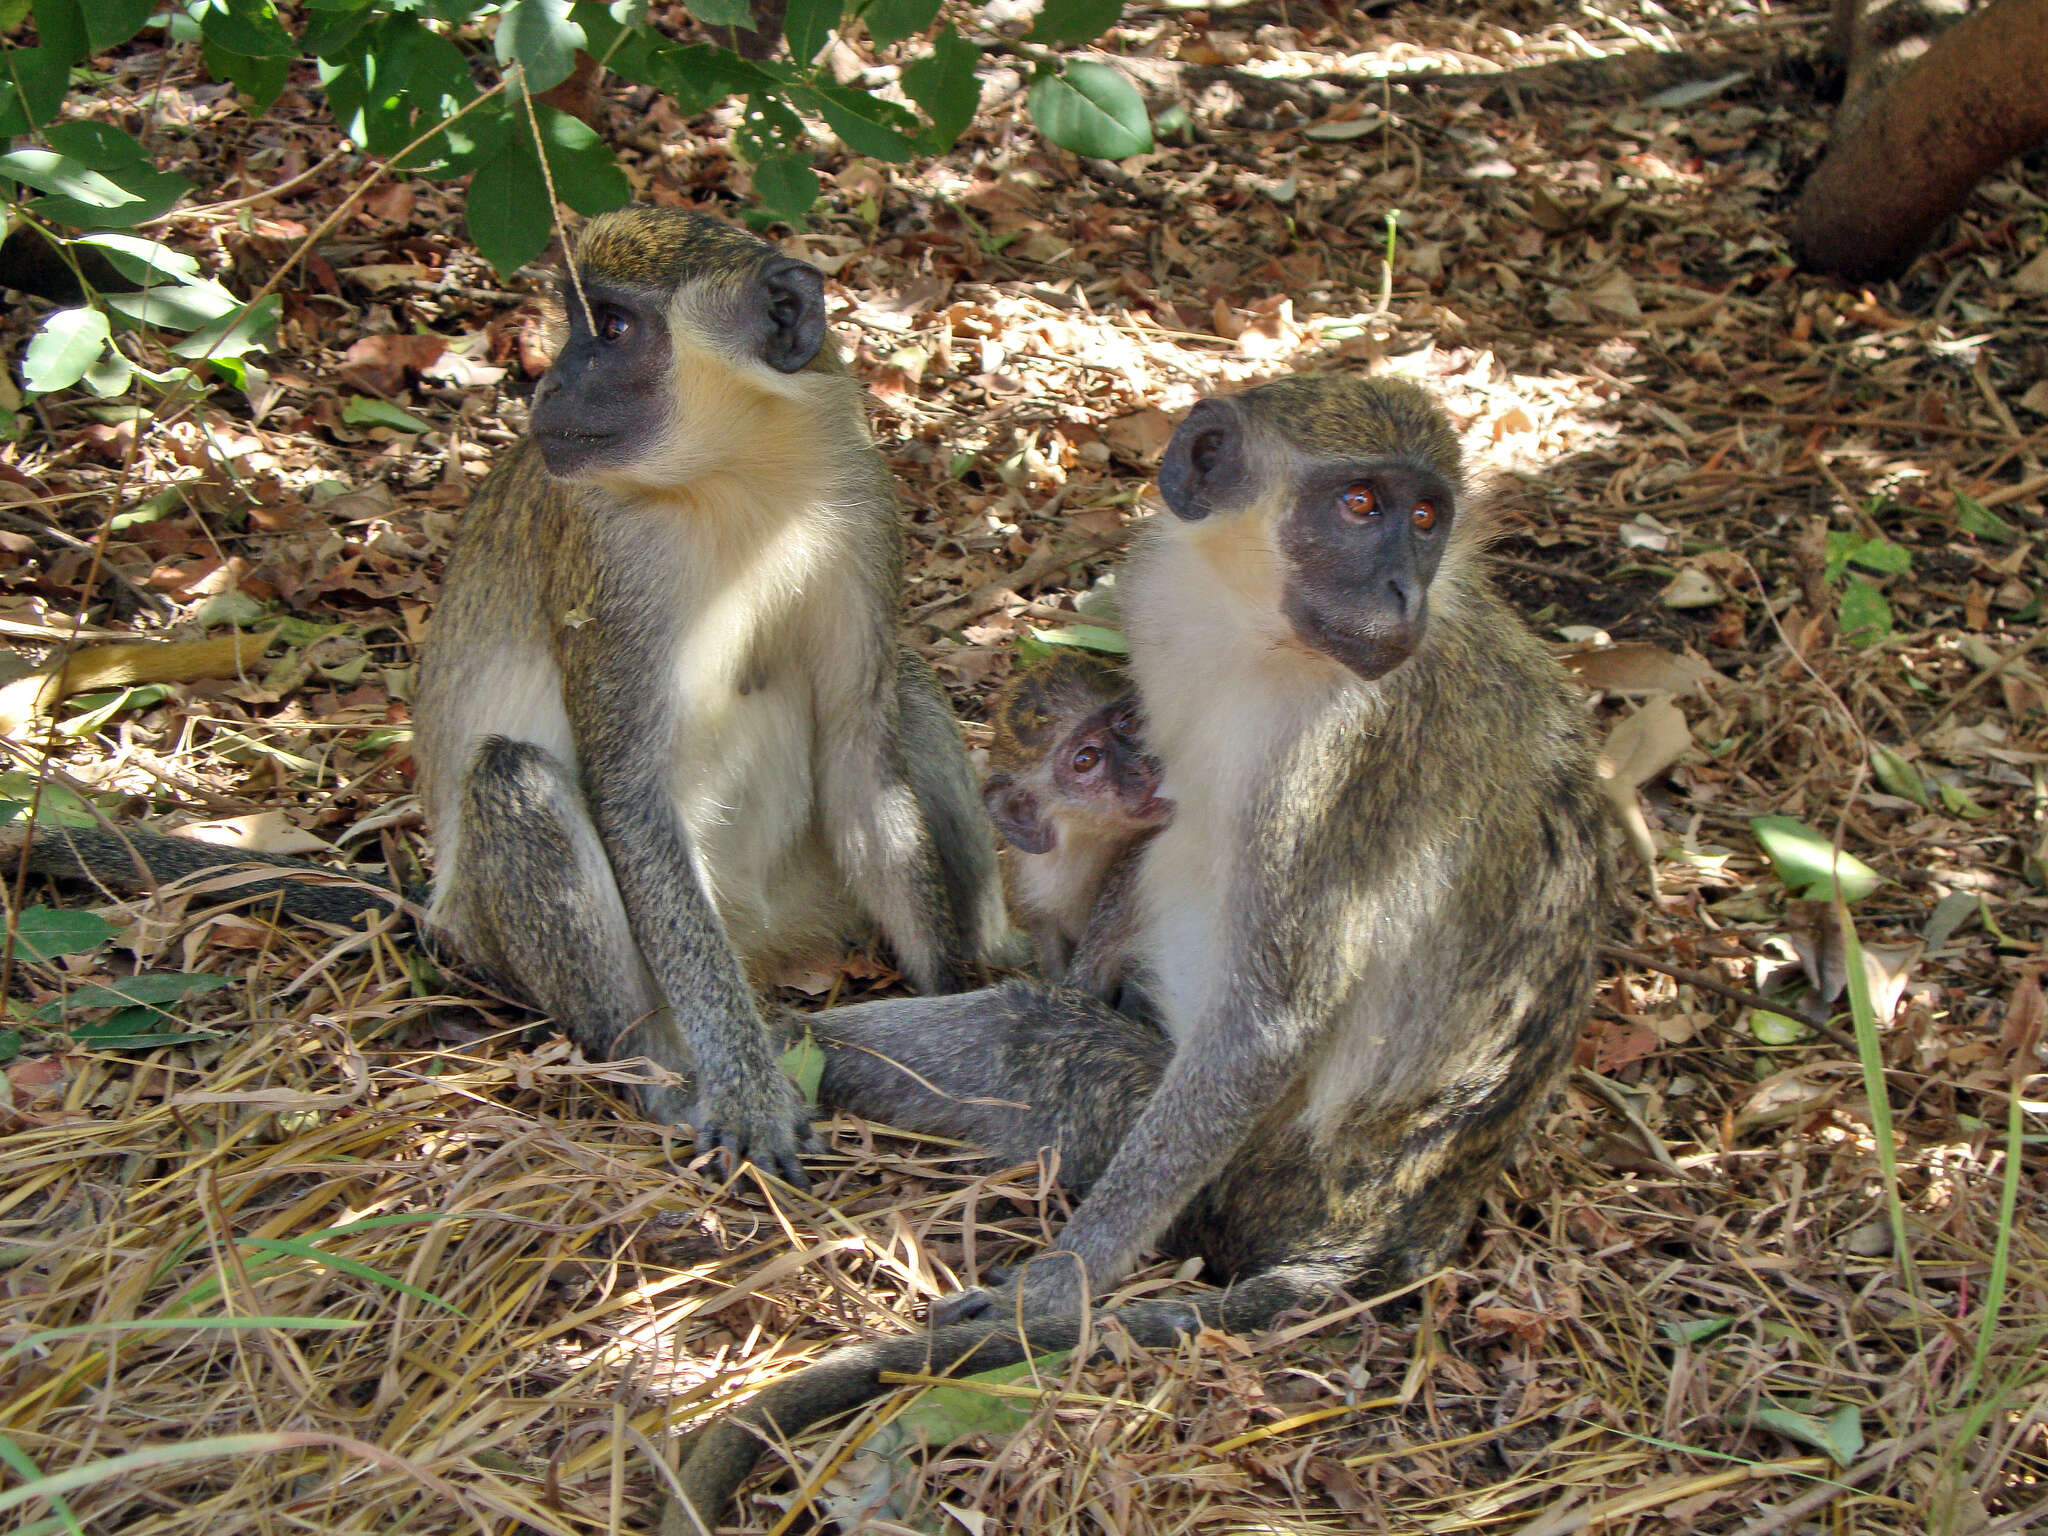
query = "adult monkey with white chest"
{"x": 1370, "y": 922}
{"x": 667, "y": 733}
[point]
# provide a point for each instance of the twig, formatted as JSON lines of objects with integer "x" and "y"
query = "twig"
{"x": 1707, "y": 983}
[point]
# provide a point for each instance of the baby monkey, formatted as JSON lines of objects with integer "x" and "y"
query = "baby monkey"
{"x": 1076, "y": 795}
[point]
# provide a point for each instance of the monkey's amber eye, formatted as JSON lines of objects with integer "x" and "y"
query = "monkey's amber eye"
{"x": 1425, "y": 515}
{"x": 1358, "y": 501}
{"x": 612, "y": 324}
{"x": 1086, "y": 759}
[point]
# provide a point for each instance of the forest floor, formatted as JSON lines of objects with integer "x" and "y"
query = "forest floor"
{"x": 1790, "y": 534}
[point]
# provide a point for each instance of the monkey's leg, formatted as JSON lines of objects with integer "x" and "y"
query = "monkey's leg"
{"x": 1014, "y": 1068}
{"x": 539, "y": 896}
{"x": 880, "y": 836}
{"x": 945, "y": 788}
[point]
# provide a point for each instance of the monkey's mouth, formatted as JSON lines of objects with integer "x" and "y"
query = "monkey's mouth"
{"x": 1153, "y": 807}
{"x": 565, "y": 450}
{"x": 1370, "y": 655}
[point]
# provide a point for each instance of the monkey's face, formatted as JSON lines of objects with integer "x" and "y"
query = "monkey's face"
{"x": 603, "y": 404}
{"x": 667, "y": 299}
{"x": 1105, "y": 766}
{"x": 1361, "y": 505}
{"x": 1096, "y": 772}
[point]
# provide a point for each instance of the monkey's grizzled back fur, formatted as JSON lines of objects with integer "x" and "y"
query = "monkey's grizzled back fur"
{"x": 1371, "y": 921}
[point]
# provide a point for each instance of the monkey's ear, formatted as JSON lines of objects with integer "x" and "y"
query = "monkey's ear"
{"x": 1204, "y": 470}
{"x": 792, "y": 314}
{"x": 1015, "y": 812}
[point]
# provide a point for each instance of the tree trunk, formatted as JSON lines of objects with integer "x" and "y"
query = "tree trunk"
{"x": 1908, "y": 150}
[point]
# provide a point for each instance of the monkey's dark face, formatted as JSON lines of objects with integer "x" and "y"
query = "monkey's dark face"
{"x": 1363, "y": 540}
{"x": 1361, "y": 509}
{"x": 1097, "y": 772}
{"x": 661, "y": 286}
{"x": 604, "y": 401}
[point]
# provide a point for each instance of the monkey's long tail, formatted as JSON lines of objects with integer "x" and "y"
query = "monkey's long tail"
{"x": 140, "y": 860}
{"x": 726, "y": 1451}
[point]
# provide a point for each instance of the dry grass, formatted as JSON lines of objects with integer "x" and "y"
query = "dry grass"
{"x": 377, "y": 1256}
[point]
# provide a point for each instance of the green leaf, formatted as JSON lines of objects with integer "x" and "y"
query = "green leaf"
{"x": 179, "y": 307}
{"x": 120, "y": 159}
{"x": 953, "y": 1412}
{"x": 1695, "y": 1330}
{"x": 538, "y": 35}
{"x": 808, "y": 24}
{"x": 1065, "y": 22}
{"x": 1972, "y": 516}
{"x": 1092, "y": 110}
{"x": 509, "y": 217}
{"x": 1896, "y": 775}
{"x": 260, "y": 80}
{"x": 362, "y": 411}
{"x": 144, "y": 261}
{"x": 10, "y": 1044}
{"x": 587, "y": 177}
{"x": 945, "y": 87}
{"x": 69, "y": 342}
{"x": 768, "y": 127}
{"x": 37, "y": 79}
{"x": 148, "y": 989}
{"x": 805, "y": 1064}
{"x": 1956, "y": 800}
{"x": 722, "y": 13}
{"x": 865, "y": 123}
{"x": 96, "y": 709}
{"x": 1807, "y": 862}
{"x": 60, "y": 26}
{"x": 1087, "y": 637}
{"x": 48, "y": 171}
{"x": 247, "y": 27}
{"x": 1840, "y": 1435}
{"x": 786, "y": 185}
{"x": 1865, "y": 617}
{"x": 56, "y": 807}
{"x": 300, "y": 1248}
{"x": 128, "y": 1031}
{"x": 1776, "y": 1028}
{"x": 890, "y": 21}
{"x": 109, "y": 23}
{"x": 47, "y": 932}
{"x": 109, "y": 375}
{"x": 233, "y": 335}
{"x": 1883, "y": 556}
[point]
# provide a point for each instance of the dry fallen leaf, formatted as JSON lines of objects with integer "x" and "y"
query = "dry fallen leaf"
{"x": 1640, "y": 747}
{"x": 1637, "y": 669}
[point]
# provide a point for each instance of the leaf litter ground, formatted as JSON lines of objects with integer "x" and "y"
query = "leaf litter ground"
{"x": 1789, "y": 534}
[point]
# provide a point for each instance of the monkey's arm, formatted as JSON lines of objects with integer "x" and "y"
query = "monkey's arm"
{"x": 1104, "y": 955}
{"x": 1232, "y": 1067}
{"x": 745, "y": 1107}
{"x": 880, "y": 835}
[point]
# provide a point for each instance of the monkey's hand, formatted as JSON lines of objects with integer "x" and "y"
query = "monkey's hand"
{"x": 1049, "y": 1285}
{"x": 765, "y": 1124}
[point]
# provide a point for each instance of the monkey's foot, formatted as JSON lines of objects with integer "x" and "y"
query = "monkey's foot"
{"x": 1049, "y": 1284}
{"x": 769, "y": 1136}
